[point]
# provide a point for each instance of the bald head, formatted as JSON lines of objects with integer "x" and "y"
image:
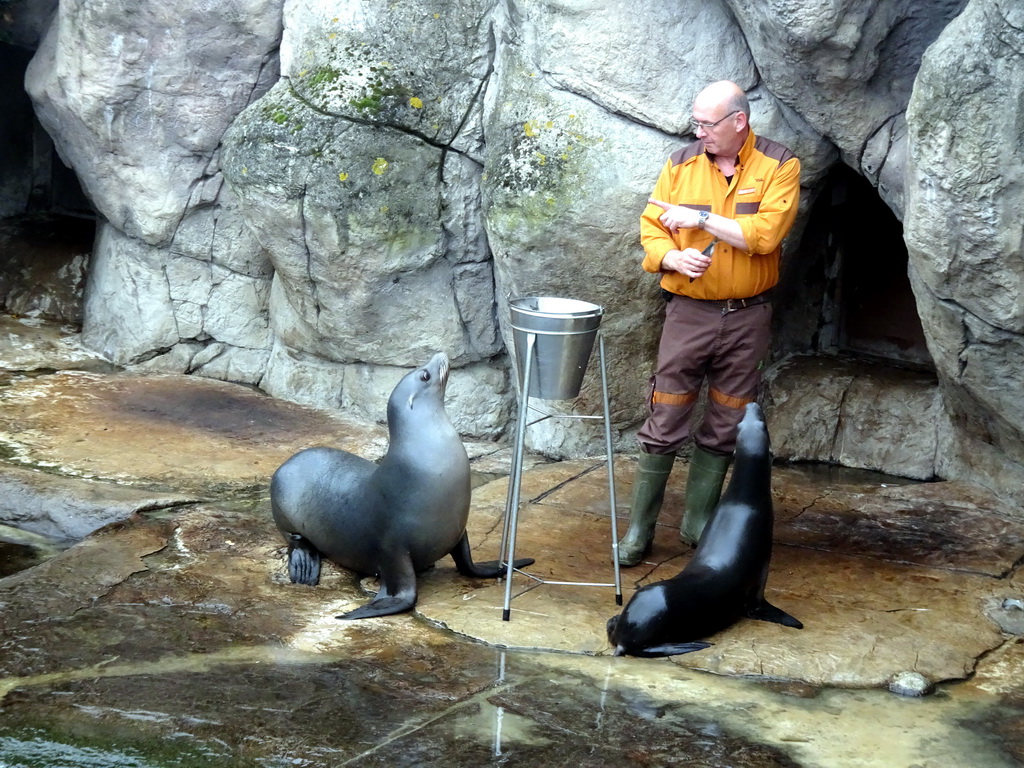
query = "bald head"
{"x": 723, "y": 96}
{"x": 721, "y": 118}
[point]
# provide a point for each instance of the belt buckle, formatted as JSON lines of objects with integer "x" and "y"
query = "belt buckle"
{"x": 740, "y": 304}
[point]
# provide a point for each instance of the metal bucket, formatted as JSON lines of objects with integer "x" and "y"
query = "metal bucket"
{"x": 565, "y": 331}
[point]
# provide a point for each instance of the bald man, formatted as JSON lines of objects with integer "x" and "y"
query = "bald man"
{"x": 713, "y": 230}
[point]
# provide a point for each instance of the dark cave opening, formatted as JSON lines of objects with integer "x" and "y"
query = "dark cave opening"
{"x": 47, "y": 225}
{"x": 846, "y": 292}
{"x": 877, "y": 311}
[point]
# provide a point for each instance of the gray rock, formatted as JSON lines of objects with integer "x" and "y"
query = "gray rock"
{"x": 360, "y": 175}
{"x": 142, "y": 302}
{"x": 963, "y": 200}
{"x": 62, "y": 508}
{"x": 33, "y": 344}
{"x": 911, "y": 684}
{"x": 172, "y": 263}
{"x": 137, "y": 96}
{"x": 848, "y": 71}
{"x": 44, "y": 269}
{"x": 850, "y": 414}
{"x": 657, "y": 84}
{"x": 1008, "y": 613}
{"x": 478, "y": 399}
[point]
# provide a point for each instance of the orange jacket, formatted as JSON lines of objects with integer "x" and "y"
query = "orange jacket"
{"x": 763, "y": 197}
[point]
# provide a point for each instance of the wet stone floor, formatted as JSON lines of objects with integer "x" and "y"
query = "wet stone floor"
{"x": 146, "y": 618}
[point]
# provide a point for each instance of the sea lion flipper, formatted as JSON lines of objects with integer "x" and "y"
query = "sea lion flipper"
{"x": 765, "y": 611}
{"x": 303, "y": 561}
{"x": 490, "y": 569}
{"x": 670, "y": 649}
{"x": 380, "y": 606}
{"x": 397, "y": 590}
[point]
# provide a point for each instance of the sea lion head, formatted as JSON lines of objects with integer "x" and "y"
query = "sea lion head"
{"x": 421, "y": 388}
{"x": 752, "y": 434}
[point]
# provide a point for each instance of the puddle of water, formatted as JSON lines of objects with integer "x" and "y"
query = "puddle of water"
{"x": 832, "y": 727}
{"x": 17, "y": 557}
{"x": 37, "y": 748}
{"x": 461, "y": 704}
{"x": 832, "y": 474}
{"x": 20, "y": 550}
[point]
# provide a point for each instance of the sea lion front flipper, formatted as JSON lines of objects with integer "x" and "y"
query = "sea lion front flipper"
{"x": 490, "y": 569}
{"x": 669, "y": 649}
{"x": 765, "y": 611}
{"x": 303, "y": 561}
{"x": 397, "y": 590}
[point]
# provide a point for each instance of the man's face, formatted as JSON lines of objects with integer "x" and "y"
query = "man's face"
{"x": 720, "y": 129}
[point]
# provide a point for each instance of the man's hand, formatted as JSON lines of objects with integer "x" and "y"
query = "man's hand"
{"x": 675, "y": 217}
{"x": 689, "y": 262}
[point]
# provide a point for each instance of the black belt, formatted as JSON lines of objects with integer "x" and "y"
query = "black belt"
{"x": 726, "y": 305}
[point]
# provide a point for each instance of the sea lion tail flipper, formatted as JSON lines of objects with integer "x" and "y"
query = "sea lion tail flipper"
{"x": 397, "y": 590}
{"x": 669, "y": 649}
{"x": 490, "y": 569}
{"x": 765, "y": 611}
{"x": 303, "y": 561}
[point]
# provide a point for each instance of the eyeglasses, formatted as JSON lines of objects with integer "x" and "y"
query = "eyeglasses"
{"x": 695, "y": 124}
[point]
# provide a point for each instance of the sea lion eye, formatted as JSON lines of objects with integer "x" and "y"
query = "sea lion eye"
{"x": 424, "y": 375}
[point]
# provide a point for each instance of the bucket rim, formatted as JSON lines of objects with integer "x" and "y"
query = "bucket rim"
{"x": 588, "y": 309}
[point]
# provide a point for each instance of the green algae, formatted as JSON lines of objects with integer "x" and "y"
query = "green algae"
{"x": 358, "y": 78}
{"x": 282, "y": 115}
{"x": 543, "y": 165}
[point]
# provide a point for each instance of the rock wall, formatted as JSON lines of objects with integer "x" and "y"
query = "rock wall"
{"x": 964, "y": 233}
{"x": 360, "y": 174}
{"x": 311, "y": 196}
{"x": 137, "y": 97}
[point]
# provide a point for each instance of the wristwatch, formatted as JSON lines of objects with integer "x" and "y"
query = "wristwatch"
{"x": 702, "y": 219}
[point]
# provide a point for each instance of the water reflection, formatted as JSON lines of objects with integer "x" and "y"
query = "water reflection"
{"x": 499, "y": 711}
{"x": 20, "y": 550}
{"x": 34, "y": 748}
{"x": 460, "y": 704}
{"x": 828, "y": 475}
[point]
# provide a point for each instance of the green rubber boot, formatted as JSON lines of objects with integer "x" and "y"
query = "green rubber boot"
{"x": 648, "y": 492}
{"x": 703, "y": 489}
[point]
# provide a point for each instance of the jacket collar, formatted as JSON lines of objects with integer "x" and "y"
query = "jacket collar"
{"x": 745, "y": 151}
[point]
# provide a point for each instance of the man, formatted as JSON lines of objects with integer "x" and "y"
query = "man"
{"x": 713, "y": 229}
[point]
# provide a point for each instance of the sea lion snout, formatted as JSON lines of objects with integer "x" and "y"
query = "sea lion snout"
{"x": 443, "y": 365}
{"x": 752, "y": 431}
{"x": 439, "y": 366}
{"x": 752, "y": 412}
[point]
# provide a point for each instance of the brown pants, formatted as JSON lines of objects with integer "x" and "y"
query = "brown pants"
{"x": 701, "y": 341}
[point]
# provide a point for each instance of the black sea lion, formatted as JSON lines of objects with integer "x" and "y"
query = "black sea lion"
{"x": 724, "y": 581}
{"x": 391, "y": 519}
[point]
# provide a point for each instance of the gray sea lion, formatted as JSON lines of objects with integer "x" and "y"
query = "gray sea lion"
{"x": 390, "y": 519}
{"x": 725, "y": 579}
